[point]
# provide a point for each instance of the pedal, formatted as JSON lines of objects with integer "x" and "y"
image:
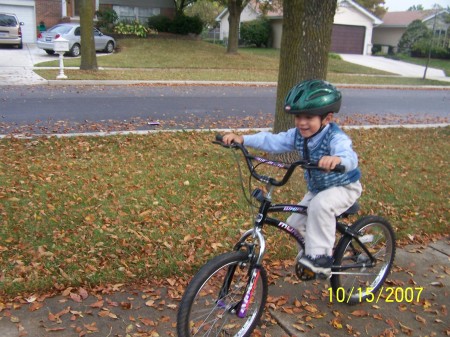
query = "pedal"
{"x": 304, "y": 274}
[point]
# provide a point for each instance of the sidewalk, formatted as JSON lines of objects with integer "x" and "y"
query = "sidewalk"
{"x": 294, "y": 308}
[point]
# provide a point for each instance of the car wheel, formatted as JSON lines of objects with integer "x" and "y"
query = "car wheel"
{"x": 20, "y": 45}
{"x": 109, "y": 47}
{"x": 75, "y": 50}
{"x": 50, "y": 52}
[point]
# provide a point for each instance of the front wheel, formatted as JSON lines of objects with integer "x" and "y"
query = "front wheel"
{"x": 109, "y": 47}
{"x": 211, "y": 302}
{"x": 355, "y": 277}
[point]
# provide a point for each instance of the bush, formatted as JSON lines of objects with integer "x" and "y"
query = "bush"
{"x": 421, "y": 49}
{"x": 106, "y": 18}
{"x": 160, "y": 23}
{"x": 134, "y": 28}
{"x": 184, "y": 25}
{"x": 256, "y": 32}
{"x": 415, "y": 32}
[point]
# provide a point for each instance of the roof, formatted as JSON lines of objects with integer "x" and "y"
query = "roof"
{"x": 403, "y": 19}
{"x": 364, "y": 11}
{"x": 278, "y": 12}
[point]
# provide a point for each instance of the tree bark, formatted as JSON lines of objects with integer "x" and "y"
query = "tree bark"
{"x": 305, "y": 43}
{"x": 88, "y": 56}
{"x": 235, "y": 8}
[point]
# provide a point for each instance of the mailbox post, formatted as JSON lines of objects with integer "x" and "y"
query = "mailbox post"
{"x": 61, "y": 45}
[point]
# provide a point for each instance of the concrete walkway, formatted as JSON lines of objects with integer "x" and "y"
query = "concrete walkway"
{"x": 413, "y": 302}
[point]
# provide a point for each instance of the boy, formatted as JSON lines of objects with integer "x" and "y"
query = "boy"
{"x": 313, "y": 103}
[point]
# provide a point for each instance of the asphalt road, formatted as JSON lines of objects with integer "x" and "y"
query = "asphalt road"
{"x": 44, "y": 109}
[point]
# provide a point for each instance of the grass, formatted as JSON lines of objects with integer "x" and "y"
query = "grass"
{"x": 171, "y": 59}
{"x": 98, "y": 210}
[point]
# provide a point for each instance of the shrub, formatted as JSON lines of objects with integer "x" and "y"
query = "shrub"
{"x": 256, "y": 32}
{"x": 415, "y": 31}
{"x": 421, "y": 49}
{"x": 106, "y": 17}
{"x": 134, "y": 28}
{"x": 160, "y": 23}
{"x": 184, "y": 25}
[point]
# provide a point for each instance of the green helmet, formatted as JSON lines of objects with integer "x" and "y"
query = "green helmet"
{"x": 313, "y": 97}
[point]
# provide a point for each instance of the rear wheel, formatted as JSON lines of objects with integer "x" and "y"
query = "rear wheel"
{"x": 211, "y": 301}
{"x": 75, "y": 50}
{"x": 355, "y": 284}
{"x": 50, "y": 52}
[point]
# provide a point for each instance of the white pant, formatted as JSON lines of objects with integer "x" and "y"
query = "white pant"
{"x": 319, "y": 226}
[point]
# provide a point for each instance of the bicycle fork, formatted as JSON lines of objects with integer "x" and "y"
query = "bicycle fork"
{"x": 251, "y": 285}
{"x": 241, "y": 307}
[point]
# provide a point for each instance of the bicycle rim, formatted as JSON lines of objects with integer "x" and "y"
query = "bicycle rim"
{"x": 358, "y": 283}
{"x": 209, "y": 309}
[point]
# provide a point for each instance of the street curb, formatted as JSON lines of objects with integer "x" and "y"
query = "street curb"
{"x": 235, "y": 83}
{"x": 243, "y": 130}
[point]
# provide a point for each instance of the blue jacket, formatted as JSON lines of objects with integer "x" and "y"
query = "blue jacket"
{"x": 331, "y": 141}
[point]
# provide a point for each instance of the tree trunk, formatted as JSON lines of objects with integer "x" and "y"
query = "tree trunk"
{"x": 235, "y": 8}
{"x": 88, "y": 56}
{"x": 305, "y": 43}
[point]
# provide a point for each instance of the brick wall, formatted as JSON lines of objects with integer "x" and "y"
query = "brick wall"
{"x": 49, "y": 12}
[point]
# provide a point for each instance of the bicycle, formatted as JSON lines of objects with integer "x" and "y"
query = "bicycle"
{"x": 227, "y": 296}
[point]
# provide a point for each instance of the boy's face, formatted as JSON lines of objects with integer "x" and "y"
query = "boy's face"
{"x": 307, "y": 125}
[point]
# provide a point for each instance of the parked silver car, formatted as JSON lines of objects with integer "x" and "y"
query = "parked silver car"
{"x": 72, "y": 32}
{"x": 10, "y": 30}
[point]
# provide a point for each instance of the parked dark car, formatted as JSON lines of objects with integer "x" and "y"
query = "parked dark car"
{"x": 72, "y": 33}
{"x": 10, "y": 30}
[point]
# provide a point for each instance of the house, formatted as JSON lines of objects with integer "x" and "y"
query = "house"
{"x": 394, "y": 25}
{"x": 352, "y": 27}
{"x": 51, "y": 12}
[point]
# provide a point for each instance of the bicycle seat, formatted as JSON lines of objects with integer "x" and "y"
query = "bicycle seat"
{"x": 352, "y": 210}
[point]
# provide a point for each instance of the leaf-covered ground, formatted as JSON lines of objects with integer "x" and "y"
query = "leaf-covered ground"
{"x": 91, "y": 211}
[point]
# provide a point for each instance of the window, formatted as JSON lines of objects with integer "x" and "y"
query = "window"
{"x": 76, "y": 7}
{"x": 140, "y": 14}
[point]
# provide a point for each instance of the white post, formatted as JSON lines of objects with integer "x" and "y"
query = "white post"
{"x": 61, "y": 45}
{"x": 61, "y": 75}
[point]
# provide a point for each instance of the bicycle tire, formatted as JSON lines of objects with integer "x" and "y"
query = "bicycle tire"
{"x": 202, "y": 313}
{"x": 361, "y": 284}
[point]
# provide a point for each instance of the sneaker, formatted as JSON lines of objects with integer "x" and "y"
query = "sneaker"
{"x": 320, "y": 264}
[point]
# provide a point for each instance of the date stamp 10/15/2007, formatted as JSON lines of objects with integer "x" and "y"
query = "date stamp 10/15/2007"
{"x": 385, "y": 294}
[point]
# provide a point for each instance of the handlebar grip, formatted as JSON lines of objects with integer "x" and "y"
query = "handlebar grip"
{"x": 219, "y": 138}
{"x": 339, "y": 168}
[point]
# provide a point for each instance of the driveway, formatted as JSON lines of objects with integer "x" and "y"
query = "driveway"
{"x": 395, "y": 67}
{"x": 16, "y": 65}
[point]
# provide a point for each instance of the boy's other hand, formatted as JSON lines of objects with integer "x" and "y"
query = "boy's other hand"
{"x": 232, "y": 138}
{"x": 328, "y": 163}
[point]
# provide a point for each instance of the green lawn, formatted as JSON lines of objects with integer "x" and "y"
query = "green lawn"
{"x": 101, "y": 210}
{"x": 172, "y": 59}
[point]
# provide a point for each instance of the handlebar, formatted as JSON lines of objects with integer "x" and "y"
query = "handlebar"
{"x": 249, "y": 158}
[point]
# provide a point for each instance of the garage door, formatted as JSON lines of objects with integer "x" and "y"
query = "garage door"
{"x": 25, "y": 15}
{"x": 348, "y": 39}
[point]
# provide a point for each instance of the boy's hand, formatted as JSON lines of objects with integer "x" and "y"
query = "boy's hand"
{"x": 328, "y": 163}
{"x": 232, "y": 138}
